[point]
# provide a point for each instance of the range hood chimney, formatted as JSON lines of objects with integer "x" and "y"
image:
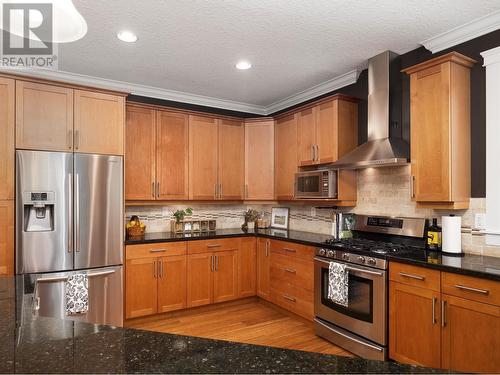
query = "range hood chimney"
{"x": 384, "y": 111}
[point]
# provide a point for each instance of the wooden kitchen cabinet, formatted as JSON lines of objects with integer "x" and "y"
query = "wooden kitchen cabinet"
{"x": 203, "y": 163}
{"x": 444, "y": 320}
{"x": 440, "y": 131}
{"x": 414, "y": 325}
{"x": 286, "y": 156}
{"x": 471, "y": 336}
{"x": 327, "y": 131}
{"x": 247, "y": 267}
{"x": 141, "y": 287}
{"x": 200, "y": 279}
{"x": 140, "y": 156}
{"x": 263, "y": 268}
{"x": 7, "y": 237}
{"x": 44, "y": 117}
{"x": 225, "y": 276}
{"x": 172, "y": 283}
{"x": 155, "y": 278}
{"x": 231, "y": 159}
{"x": 7, "y": 140}
{"x": 259, "y": 159}
{"x": 99, "y": 123}
{"x": 172, "y": 162}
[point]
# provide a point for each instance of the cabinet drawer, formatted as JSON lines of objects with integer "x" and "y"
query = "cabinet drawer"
{"x": 471, "y": 288}
{"x": 155, "y": 250}
{"x": 416, "y": 276}
{"x": 294, "y": 299}
{"x": 292, "y": 249}
{"x": 208, "y": 246}
{"x": 282, "y": 269}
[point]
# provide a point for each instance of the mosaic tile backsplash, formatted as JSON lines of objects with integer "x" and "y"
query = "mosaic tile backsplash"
{"x": 382, "y": 191}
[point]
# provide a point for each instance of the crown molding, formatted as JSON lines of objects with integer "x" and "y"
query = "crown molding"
{"x": 491, "y": 56}
{"x": 323, "y": 88}
{"x": 463, "y": 33}
{"x": 136, "y": 89}
{"x": 183, "y": 97}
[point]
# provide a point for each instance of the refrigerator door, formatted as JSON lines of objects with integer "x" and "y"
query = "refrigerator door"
{"x": 44, "y": 240}
{"x": 44, "y": 295}
{"x": 98, "y": 210}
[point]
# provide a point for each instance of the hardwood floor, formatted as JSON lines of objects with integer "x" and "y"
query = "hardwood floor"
{"x": 251, "y": 321}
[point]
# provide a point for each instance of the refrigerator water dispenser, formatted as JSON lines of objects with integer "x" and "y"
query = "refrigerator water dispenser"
{"x": 39, "y": 211}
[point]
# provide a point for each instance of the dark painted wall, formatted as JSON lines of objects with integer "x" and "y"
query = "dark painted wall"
{"x": 472, "y": 48}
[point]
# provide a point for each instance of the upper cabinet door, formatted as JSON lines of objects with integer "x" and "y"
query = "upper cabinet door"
{"x": 306, "y": 136}
{"x": 259, "y": 160}
{"x": 430, "y": 133}
{"x": 99, "y": 123}
{"x": 286, "y": 156}
{"x": 327, "y": 131}
{"x": 44, "y": 117}
{"x": 203, "y": 158}
{"x": 7, "y": 108}
{"x": 225, "y": 277}
{"x": 231, "y": 159}
{"x": 141, "y": 154}
{"x": 172, "y": 156}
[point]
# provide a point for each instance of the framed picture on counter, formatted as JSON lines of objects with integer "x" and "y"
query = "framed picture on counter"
{"x": 280, "y": 217}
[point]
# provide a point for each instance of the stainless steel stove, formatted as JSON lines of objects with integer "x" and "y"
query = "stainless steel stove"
{"x": 361, "y": 327}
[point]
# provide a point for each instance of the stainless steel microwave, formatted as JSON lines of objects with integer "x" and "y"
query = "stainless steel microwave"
{"x": 319, "y": 184}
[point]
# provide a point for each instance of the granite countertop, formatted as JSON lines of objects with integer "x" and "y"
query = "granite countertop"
{"x": 49, "y": 345}
{"x": 469, "y": 264}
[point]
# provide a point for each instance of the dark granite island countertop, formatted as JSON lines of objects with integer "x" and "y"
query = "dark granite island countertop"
{"x": 486, "y": 267}
{"x": 47, "y": 345}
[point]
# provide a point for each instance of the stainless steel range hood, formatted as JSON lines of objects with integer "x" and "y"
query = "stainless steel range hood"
{"x": 384, "y": 110}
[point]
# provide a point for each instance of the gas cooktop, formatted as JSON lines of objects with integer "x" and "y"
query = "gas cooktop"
{"x": 367, "y": 245}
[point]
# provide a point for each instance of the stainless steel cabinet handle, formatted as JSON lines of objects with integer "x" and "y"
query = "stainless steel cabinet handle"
{"x": 70, "y": 213}
{"x": 246, "y": 190}
{"x": 220, "y": 191}
{"x": 70, "y": 140}
{"x": 443, "y": 316}
{"x": 475, "y": 290}
{"x": 267, "y": 248}
{"x": 77, "y": 139}
{"x": 289, "y": 270}
{"x": 415, "y": 277}
{"x": 153, "y": 191}
{"x": 412, "y": 186}
{"x": 215, "y": 191}
{"x": 154, "y": 269}
{"x": 317, "y": 152}
{"x": 434, "y": 299}
{"x": 212, "y": 263}
{"x": 287, "y": 249}
{"x": 289, "y": 298}
{"x": 157, "y": 190}
{"x": 77, "y": 212}
{"x": 213, "y": 246}
{"x": 312, "y": 152}
{"x": 157, "y": 250}
{"x": 216, "y": 262}
{"x": 161, "y": 268}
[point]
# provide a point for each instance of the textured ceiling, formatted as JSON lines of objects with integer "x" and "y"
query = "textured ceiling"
{"x": 192, "y": 45}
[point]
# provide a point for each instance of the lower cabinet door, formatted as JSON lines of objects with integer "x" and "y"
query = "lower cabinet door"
{"x": 247, "y": 267}
{"x": 471, "y": 336}
{"x": 141, "y": 287}
{"x": 414, "y": 325}
{"x": 263, "y": 257}
{"x": 199, "y": 279}
{"x": 172, "y": 280}
{"x": 225, "y": 276}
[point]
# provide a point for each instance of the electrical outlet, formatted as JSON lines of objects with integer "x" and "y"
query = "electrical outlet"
{"x": 313, "y": 211}
{"x": 480, "y": 221}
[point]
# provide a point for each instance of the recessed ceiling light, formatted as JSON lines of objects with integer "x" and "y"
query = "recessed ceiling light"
{"x": 243, "y": 65}
{"x": 127, "y": 36}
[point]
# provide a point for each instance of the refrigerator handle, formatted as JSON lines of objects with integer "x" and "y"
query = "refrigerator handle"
{"x": 70, "y": 213}
{"x": 77, "y": 212}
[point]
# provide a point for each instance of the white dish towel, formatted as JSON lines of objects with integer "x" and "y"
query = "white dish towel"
{"x": 77, "y": 294}
{"x": 338, "y": 283}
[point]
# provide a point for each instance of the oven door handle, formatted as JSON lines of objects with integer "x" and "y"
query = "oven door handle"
{"x": 349, "y": 337}
{"x": 350, "y": 268}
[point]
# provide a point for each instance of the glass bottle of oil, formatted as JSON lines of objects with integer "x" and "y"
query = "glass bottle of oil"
{"x": 434, "y": 236}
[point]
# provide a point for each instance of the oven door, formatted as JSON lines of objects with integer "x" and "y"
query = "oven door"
{"x": 366, "y": 312}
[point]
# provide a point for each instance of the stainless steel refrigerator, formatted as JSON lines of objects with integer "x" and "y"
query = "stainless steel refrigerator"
{"x": 69, "y": 218}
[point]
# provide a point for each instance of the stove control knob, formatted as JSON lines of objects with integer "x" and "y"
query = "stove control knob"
{"x": 330, "y": 253}
{"x": 361, "y": 259}
{"x": 322, "y": 252}
{"x": 371, "y": 261}
{"x": 345, "y": 256}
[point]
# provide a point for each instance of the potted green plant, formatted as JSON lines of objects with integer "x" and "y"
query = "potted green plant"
{"x": 179, "y": 217}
